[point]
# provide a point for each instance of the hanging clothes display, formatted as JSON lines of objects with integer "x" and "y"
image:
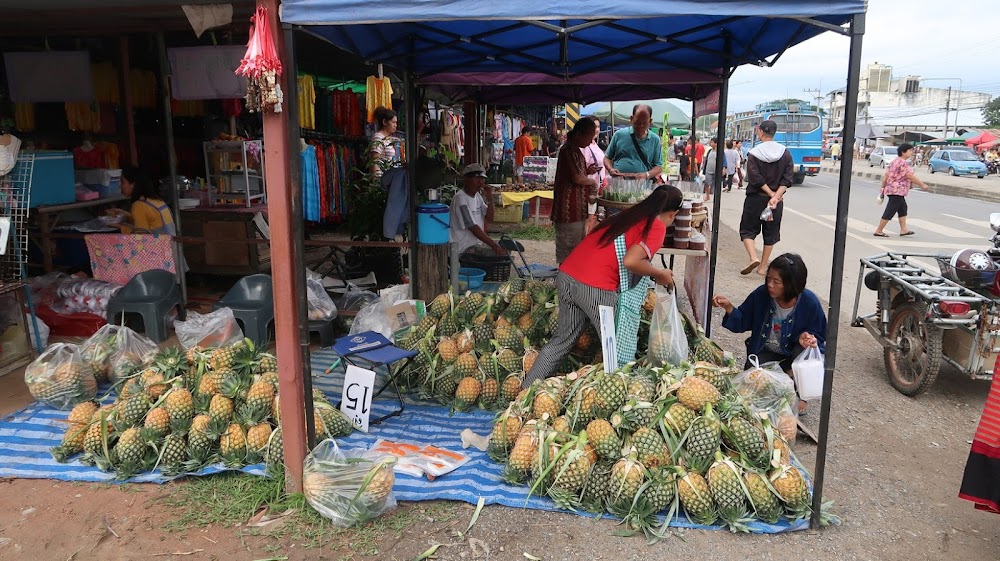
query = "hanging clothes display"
{"x": 24, "y": 116}
{"x": 310, "y": 183}
{"x": 347, "y": 117}
{"x": 326, "y": 177}
{"x": 307, "y": 101}
{"x": 378, "y": 93}
{"x": 106, "y": 86}
{"x": 142, "y": 87}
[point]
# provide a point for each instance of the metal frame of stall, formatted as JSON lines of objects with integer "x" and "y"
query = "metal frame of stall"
{"x": 287, "y": 283}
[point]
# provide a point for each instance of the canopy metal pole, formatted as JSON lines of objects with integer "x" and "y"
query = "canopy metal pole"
{"x": 720, "y": 134}
{"x": 298, "y": 229}
{"x": 410, "y": 111}
{"x": 168, "y": 122}
{"x": 692, "y": 165}
{"x": 837, "y": 274}
{"x": 611, "y": 109}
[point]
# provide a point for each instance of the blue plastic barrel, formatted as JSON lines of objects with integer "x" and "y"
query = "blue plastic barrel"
{"x": 432, "y": 223}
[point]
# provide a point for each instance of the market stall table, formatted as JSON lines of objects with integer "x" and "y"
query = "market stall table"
{"x": 229, "y": 240}
{"x": 49, "y": 217}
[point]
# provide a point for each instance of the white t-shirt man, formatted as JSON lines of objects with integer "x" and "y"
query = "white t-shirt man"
{"x": 466, "y": 211}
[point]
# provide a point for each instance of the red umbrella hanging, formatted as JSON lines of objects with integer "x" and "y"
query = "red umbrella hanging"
{"x": 262, "y": 67}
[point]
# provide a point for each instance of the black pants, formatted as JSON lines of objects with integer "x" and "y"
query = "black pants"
{"x": 728, "y": 184}
{"x": 896, "y": 204}
{"x": 751, "y": 224}
{"x": 765, "y": 356}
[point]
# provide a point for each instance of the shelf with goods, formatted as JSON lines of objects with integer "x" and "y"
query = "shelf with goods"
{"x": 236, "y": 169}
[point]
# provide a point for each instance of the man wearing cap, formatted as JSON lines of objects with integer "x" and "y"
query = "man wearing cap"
{"x": 470, "y": 211}
{"x": 769, "y": 175}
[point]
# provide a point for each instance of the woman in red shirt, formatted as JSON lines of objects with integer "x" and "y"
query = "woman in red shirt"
{"x": 589, "y": 277}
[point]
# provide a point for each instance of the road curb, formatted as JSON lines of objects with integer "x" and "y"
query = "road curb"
{"x": 934, "y": 187}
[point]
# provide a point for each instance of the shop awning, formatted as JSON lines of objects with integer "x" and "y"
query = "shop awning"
{"x": 569, "y": 40}
{"x": 623, "y": 111}
{"x": 988, "y": 135}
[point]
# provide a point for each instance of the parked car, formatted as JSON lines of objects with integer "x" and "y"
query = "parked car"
{"x": 882, "y": 156}
{"x": 956, "y": 162}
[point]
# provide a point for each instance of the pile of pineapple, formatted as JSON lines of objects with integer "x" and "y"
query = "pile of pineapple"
{"x": 181, "y": 411}
{"x": 474, "y": 350}
{"x": 644, "y": 442}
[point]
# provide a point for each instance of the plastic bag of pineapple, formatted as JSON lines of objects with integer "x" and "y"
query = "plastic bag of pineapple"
{"x": 132, "y": 351}
{"x": 668, "y": 343}
{"x": 349, "y": 487}
{"x": 96, "y": 351}
{"x": 60, "y": 378}
{"x": 766, "y": 388}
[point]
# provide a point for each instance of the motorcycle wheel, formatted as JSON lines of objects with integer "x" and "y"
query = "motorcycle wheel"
{"x": 913, "y": 357}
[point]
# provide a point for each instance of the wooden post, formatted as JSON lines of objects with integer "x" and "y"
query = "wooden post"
{"x": 473, "y": 139}
{"x": 284, "y": 269}
{"x": 126, "y": 95}
{"x": 433, "y": 271}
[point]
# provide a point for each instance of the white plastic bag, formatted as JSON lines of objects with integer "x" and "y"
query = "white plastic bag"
{"x": 350, "y": 487}
{"x": 132, "y": 351}
{"x": 355, "y": 298}
{"x": 215, "y": 329}
{"x": 809, "y": 370}
{"x": 765, "y": 387}
{"x": 373, "y": 316}
{"x": 40, "y": 339}
{"x": 96, "y": 351}
{"x": 321, "y": 306}
{"x": 668, "y": 343}
{"x": 767, "y": 215}
{"x": 60, "y": 378}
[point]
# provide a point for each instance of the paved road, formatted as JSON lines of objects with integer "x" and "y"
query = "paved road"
{"x": 943, "y": 224}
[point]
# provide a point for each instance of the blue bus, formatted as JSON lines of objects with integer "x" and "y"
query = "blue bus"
{"x": 800, "y": 129}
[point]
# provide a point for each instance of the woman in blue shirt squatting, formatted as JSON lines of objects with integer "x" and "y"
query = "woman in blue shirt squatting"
{"x": 782, "y": 315}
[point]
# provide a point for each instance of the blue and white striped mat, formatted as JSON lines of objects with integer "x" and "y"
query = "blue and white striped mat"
{"x": 27, "y": 436}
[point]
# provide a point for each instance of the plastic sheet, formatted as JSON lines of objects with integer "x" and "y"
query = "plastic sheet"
{"x": 350, "y": 487}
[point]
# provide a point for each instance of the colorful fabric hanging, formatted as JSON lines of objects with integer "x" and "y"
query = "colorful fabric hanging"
{"x": 307, "y": 102}
{"x": 24, "y": 116}
{"x": 378, "y": 93}
{"x": 262, "y": 67}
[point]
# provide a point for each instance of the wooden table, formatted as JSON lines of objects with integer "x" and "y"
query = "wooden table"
{"x": 48, "y": 218}
{"x": 232, "y": 249}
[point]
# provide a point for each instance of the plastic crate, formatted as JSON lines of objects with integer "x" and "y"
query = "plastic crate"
{"x": 509, "y": 214}
{"x": 540, "y": 207}
{"x": 497, "y": 267}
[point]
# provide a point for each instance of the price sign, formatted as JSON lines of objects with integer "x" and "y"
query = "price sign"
{"x": 356, "y": 401}
{"x": 609, "y": 345}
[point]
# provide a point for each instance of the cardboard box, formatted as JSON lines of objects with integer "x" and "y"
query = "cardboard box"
{"x": 405, "y": 314}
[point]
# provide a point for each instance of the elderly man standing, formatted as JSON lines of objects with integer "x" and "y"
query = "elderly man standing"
{"x": 769, "y": 175}
{"x": 634, "y": 153}
{"x": 470, "y": 212}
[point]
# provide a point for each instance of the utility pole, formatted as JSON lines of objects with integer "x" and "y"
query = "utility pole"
{"x": 947, "y": 110}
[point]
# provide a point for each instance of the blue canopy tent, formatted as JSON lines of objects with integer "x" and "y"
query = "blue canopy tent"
{"x": 569, "y": 51}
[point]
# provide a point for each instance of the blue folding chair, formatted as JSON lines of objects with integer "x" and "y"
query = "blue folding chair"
{"x": 375, "y": 350}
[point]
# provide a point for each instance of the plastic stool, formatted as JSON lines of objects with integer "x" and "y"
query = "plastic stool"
{"x": 151, "y": 294}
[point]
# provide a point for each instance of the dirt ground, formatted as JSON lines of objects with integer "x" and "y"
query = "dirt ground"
{"x": 894, "y": 468}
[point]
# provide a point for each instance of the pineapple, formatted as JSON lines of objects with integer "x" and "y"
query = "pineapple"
{"x": 660, "y": 491}
{"x": 220, "y": 410}
{"x": 233, "y": 446}
{"x": 377, "y": 484}
{"x": 488, "y": 395}
{"x": 569, "y": 472}
{"x": 171, "y": 362}
{"x": 489, "y": 365}
{"x": 703, "y": 440}
{"x": 597, "y": 491}
{"x": 696, "y": 497}
{"x": 605, "y": 439}
{"x": 132, "y": 410}
{"x": 172, "y": 454}
{"x": 525, "y": 323}
{"x": 274, "y": 454}
{"x": 425, "y": 326}
{"x": 509, "y": 388}
{"x": 261, "y": 395}
{"x": 678, "y": 418}
{"x": 440, "y": 305}
{"x": 466, "y": 365}
{"x": 546, "y": 403}
{"x": 561, "y": 426}
{"x": 268, "y": 363}
{"x": 70, "y": 383}
{"x": 272, "y": 379}
{"x": 696, "y": 393}
{"x": 762, "y": 500}
{"x": 519, "y": 304}
{"x": 153, "y": 383}
{"x": 336, "y": 423}
{"x": 792, "y": 489}
{"x": 82, "y": 413}
{"x": 470, "y": 306}
{"x": 211, "y": 382}
{"x": 128, "y": 389}
{"x": 467, "y": 392}
{"x": 447, "y": 326}
{"x": 510, "y": 337}
{"x": 747, "y": 438}
{"x": 509, "y": 360}
{"x": 581, "y": 407}
{"x": 447, "y": 350}
{"x": 650, "y": 448}
{"x": 552, "y": 325}
{"x": 635, "y": 415}
{"x": 94, "y": 438}
{"x": 585, "y": 340}
{"x": 641, "y": 388}
{"x": 200, "y": 442}
{"x": 712, "y": 374}
{"x": 627, "y": 476}
{"x": 464, "y": 341}
{"x": 257, "y": 437}
{"x": 223, "y": 358}
{"x": 483, "y": 335}
{"x": 530, "y": 355}
{"x": 725, "y": 481}
{"x": 611, "y": 391}
{"x": 179, "y": 404}
{"x": 523, "y": 455}
{"x": 157, "y": 423}
{"x": 505, "y": 430}
{"x": 72, "y": 441}
{"x": 129, "y": 454}
{"x": 707, "y": 350}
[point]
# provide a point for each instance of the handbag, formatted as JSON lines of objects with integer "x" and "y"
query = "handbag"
{"x": 642, "y": 155}
{"x": 880, "y": 198}
{"x": 627, "y": 313}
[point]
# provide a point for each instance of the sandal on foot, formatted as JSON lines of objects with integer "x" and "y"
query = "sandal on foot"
{"x": 881, "y": 235}
{"x": 746, "y": 270}
{"x": 910, "y": 233}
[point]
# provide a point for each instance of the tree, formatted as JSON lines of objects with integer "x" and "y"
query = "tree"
{"x": 991, "y": 113}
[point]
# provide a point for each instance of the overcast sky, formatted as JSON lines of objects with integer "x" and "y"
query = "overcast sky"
{"x": 932, "y": 39}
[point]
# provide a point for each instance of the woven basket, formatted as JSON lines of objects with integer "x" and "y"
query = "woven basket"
{"x": 614, "y": 204}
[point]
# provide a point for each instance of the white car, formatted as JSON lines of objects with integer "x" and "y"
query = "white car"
{"x": 882, "y": 156}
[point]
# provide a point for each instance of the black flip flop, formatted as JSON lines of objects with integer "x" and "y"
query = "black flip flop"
{"x": 880, "y": 235}
{"x": 746, "y": 270}
{"x": 910, "y": 233}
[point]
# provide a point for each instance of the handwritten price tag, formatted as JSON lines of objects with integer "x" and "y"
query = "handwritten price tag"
{"x": 356, "y": 401}
{"x": 609, "y": 344}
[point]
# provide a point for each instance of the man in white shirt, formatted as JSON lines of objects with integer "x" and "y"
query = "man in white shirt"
{"x": 470, "y": 212}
